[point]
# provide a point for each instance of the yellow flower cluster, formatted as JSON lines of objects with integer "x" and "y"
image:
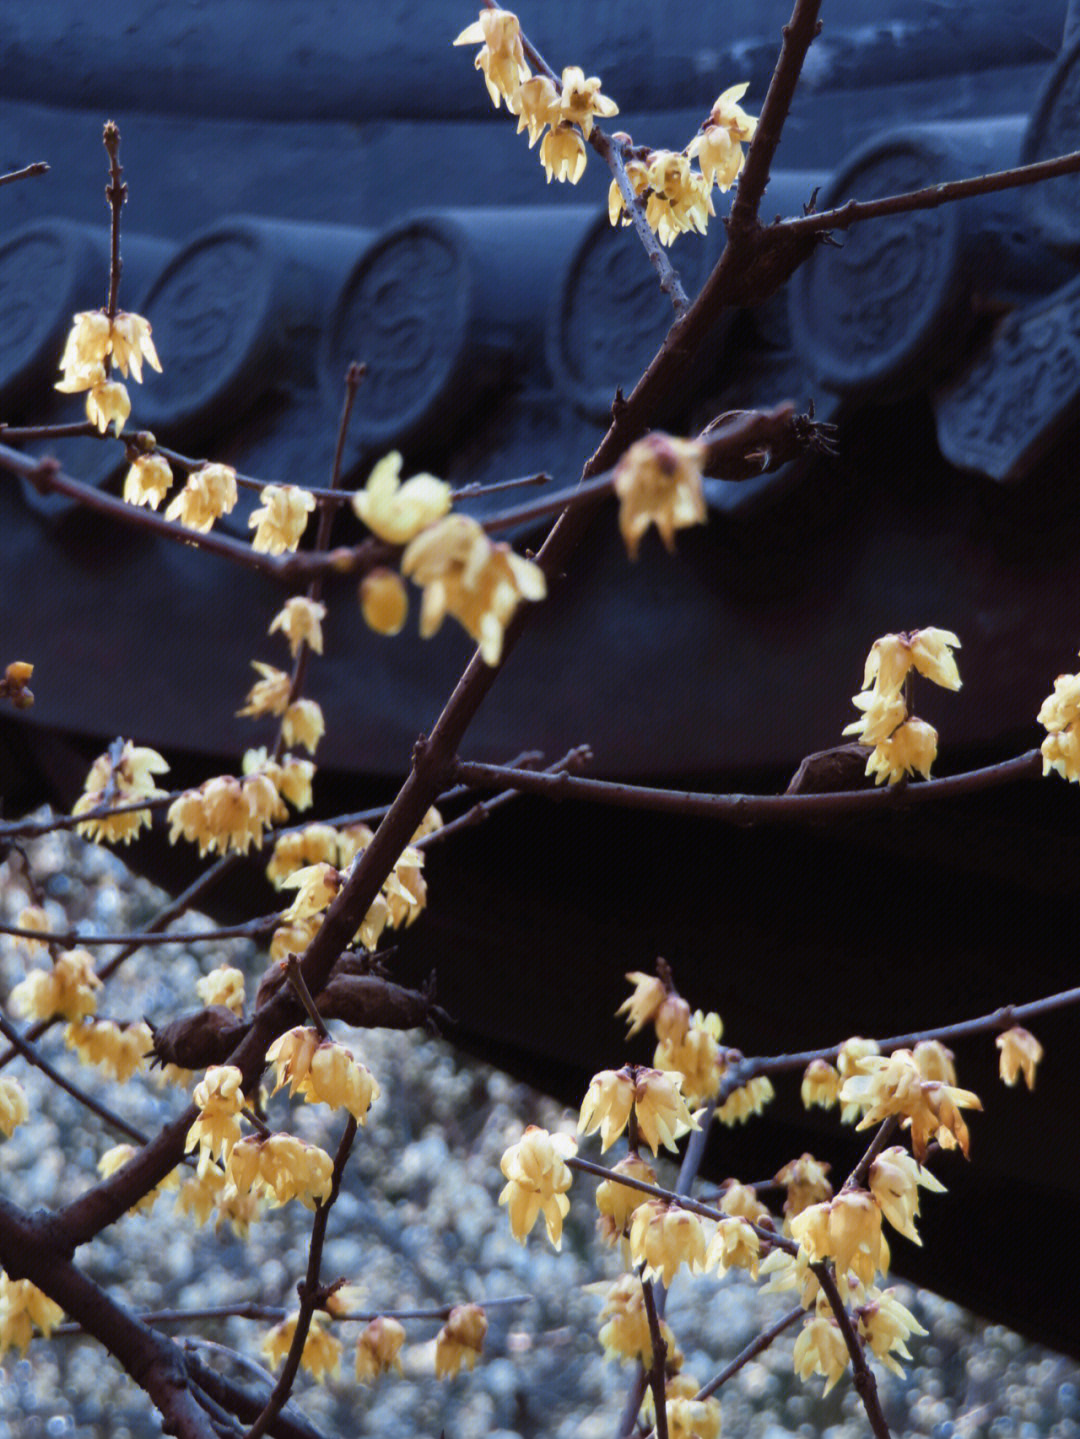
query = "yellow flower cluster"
{"x": 278, "y": 1167}
{"x": 895, "y": 1084}
{"x": 119, "y": 776}
{"x": 806, "y": 1182}
{"x": 91, "y": 340}
{"x": 618, "y": 1202}
{"x": 148, "y": 481}
{"x": 291, "y": 776}
{"x": 894, "y": 1182}
{"x": 846, "y": 1230}
{"x": 120, "y": 1050}
{"x": 322, "y": 1072}
{"x": 678, "y": 198}
{"x": 696, "y": 1055}
{"x": 24, "y": 1308}
{"x": 1058, "y": 715}
{"x": 226, "y": 814}
{"x": 886, "y": 1325}
{"x": 820, "y": 1349}
{"x": 820, "y": 1085}
{"x": 322, "y": 1352}
{"x": 537, "y": 1181}
{"x": 689, "y": 1417}
{"x": 750, "y": 1098}
{"x": 301, "y": 721}
{"x": 734, "y": 1245}
{"x": 538, "y": 101}
{"x": 460, "y": 1340}
{"x": 655, "y": 1098}
{"x": 206, "y": 1193}
{"x": 378, "y": 1350}
{"x": 465, "y": 574}
{"x": 901, "y": 745}
{"x": 64, "y": 992}
{"x": 219, "y": 1098}
{"x": 210, "y": 492}
{"x": 224, "y": 986}
{"x": 659, "y": 482}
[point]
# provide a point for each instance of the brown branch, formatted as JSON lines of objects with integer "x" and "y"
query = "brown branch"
{"x": 73, "y": 938}
{"x": 296, "y": 979}
{"x": 888, "y": 1127}
{"x": 753, "y": 1349}
{"x": 246, "y": 1405}
{"x": 32, "y": 1247}
{"x": 310, "y": 1290}
{"x": 749, "y": 810}
{"x": 38, "y": 167}
{"x": 19, "y": 434}
{"x": 852, "y": 212}
{"x": 115, "y": 194}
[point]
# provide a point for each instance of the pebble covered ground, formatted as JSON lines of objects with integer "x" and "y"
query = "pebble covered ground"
{"x": 418, "y": 1226}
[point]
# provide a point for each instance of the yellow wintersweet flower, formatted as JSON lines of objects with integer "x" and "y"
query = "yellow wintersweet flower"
{"x": 281, "y": 1167}
{"x": 220, "y": 1097}
{"x": 88, "y": 343}
{"x": 637, "y": 172}
{"x": 464, "y": 574}
{"x": 201, "y": 1194}
{"x": 886, "y": 1325}
{"x": 607, "y": 1105}
{"x": 894, "y": 1182}
{"x": 783, "y": 1272}
{"x": 846, "y": 1230}
{"x": 680, "y": 200}
{"x": 131, "y": 344}
{"x": 460, "y": 1340}
{"x": 696, "y": 1057}
{"x": 223, "y": 985}
{"x": 820, "y": 1349}
{"x": 740, "y": 1201}
{"x": 895, "y": 1085}
{"x": 13, "y": 1107}
{"x": 928, "y": 651}
{"x": 66, "y": 991}
{"x": 537, "y": 1180}
{"x": 270, "y": 695}
{"x": 750, "y": 1098}
{"x": 378, "y": 1350}
{"x": 909, "y": 749}
{"x": 316, "y": 844}
{"x": 659, "y": 482}
{"x": 318, "y": 885}
{"x": 322, "y": 1352}
{"x": 934, "y": 1061}
{"x": 210, "y": 492}
{"x": 322, "y": 1072}
{"x": 1020, "y": 1052}
{"x": 303, "y": 724}
{"x": 293, "y": 779}
{"x": 663, "y": 1237}
{"x": 502, "y": 58}
{"x": 719, "y": 146}
{"x": 537, "y": 105}
{"x": 563, "y": 154}
{"x": 1058, "y": 715}
{"x": 384, "y": 601}
{"x": 397, "y": 512}
{"x": 687, "y": 1416}
{"x": 581, "y": 99}
{"x": 24, "y": 1308}
{"x": 883, "y": 712}
{"x": 225, "y": 813}
{"x": 118, "y": 776}
{"x": 734, "y": 1245}
{"x": 649, "y": 994}
{"x": 729, "y": 114}
{"x": 148, "y": 481}
{"x": 35, "y": 918}
{"x": 119, "y": 1050}
{"x": 300, "y": 621}
{"x": 820, "y": 1085}
{"x": 281, "y": 519}
{"x": 617, "y": 1202}
{"x": 807, "y": 1183}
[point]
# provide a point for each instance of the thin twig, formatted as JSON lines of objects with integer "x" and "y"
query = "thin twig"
{"x": 753, "y": 1349}
{"x": 115, "y": 194}
{"x": 852, "y": 212}
{"x": 656, "y": 1377}
{"x": 38, "y": 167}
{"x": 296, "y": 979}
{"x": 73, "y": 938}
{"x": 862, "y": 1374}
